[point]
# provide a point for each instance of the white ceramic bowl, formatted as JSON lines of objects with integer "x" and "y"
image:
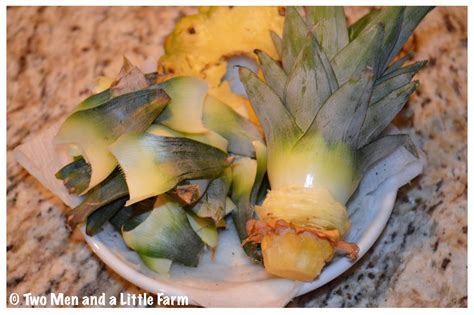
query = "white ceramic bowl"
{"x": 110, "y": 248}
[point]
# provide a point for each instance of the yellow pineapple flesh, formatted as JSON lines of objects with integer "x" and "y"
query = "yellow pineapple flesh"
{"x": 201, "y": 44}
{"x": 295, "y": 256}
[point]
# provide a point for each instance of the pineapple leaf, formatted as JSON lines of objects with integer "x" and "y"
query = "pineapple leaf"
{"x": 391, "y": 18}
{"x": 329, "y": 26}
{"x": 261, "y": 155}
{"x": 238, "y": 131}
{"x": 394, "y": 80}
{"x": 213, "y": 202}
{"x": 278, "y": 124}
{"x": 359, "y": 54}
{"x": 382, "y": 147}
{"x": 277, "y": 42}
{"x": 309, "y": 84}
{"x": 410, "y": 69}
{"x": 164, "y": 233}
{"x": 342, "y": 115}
{"x": 244, "y": 171}
{"x": 399, "y": 63}
{"x": 294, "y": 36}
{"x": 95, "y": 100}
{"x": 184, "y": 111}
{"x": 75, "y": 176}
{"x": 94, "y": 129}
{"x": 153, "y": 165}
{"x": 98, "y": 218}
{"x": 399, "y": 23}
{"x": 380, "y": 114}
{"x": 411, "y": 18}
{"x": 273, "y": 73}
{"x": 113, "y": 188}
{"x": 356, "y": 28}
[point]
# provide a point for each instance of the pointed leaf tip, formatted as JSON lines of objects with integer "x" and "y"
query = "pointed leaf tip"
{"x": 364, "y": 51}
{"x": 342, "y": 115}
{"x": 277, "y": 42}
{"x": 278, "y": 124}
{"x": 381, "y": 114}
{"x": 329, "y": 25}
{"x": 274, "y": 75}
{"x": 310, "y": 83}
{"x": 295, "y": 31}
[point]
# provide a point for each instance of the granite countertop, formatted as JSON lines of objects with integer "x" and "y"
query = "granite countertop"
{"x": 55, "y": 53}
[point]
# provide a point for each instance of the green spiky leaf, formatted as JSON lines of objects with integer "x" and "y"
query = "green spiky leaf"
{"x": 165, "y": 233}
{"x": 278, "y": 124}
{"x": 329, "y": 27}
{"x": 392, "y": 19}
{"x": 154, "y": 164}
{"x": 111, "y": 189}
{"x": 356, "y": 28}
{"x": 294, "y": 36}
{"x": 273, "y": 73}
{"x": 75, "y": 176}
{"x": 213, "y": 202}
{"x": 93, "y": 130}
{"x": 98, "y": 218}
{"x": 381, "y": 114}
{"x": 237, "y": 130}
{"x": 309, "y": 84}
{"x": 342, "y": 115}
{"x": 412, "y": 17}
{"x": 394, "y": 80}
{"x": 410, "y": 70}
{"x": 399, "y": 63}
{"x": 184, "y": 111}
{"x": 277, "y": 42}
{"x": 359, "y": 54}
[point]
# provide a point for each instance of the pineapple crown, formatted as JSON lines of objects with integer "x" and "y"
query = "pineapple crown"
{"x": 337, "y": 81}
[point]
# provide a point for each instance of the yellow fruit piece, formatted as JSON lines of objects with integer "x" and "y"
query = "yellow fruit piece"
{"x": 295, "y": 256}
{"x": 201, "y": 44}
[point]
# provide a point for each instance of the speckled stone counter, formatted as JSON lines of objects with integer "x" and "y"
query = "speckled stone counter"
{"x": 55, "y": 53}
